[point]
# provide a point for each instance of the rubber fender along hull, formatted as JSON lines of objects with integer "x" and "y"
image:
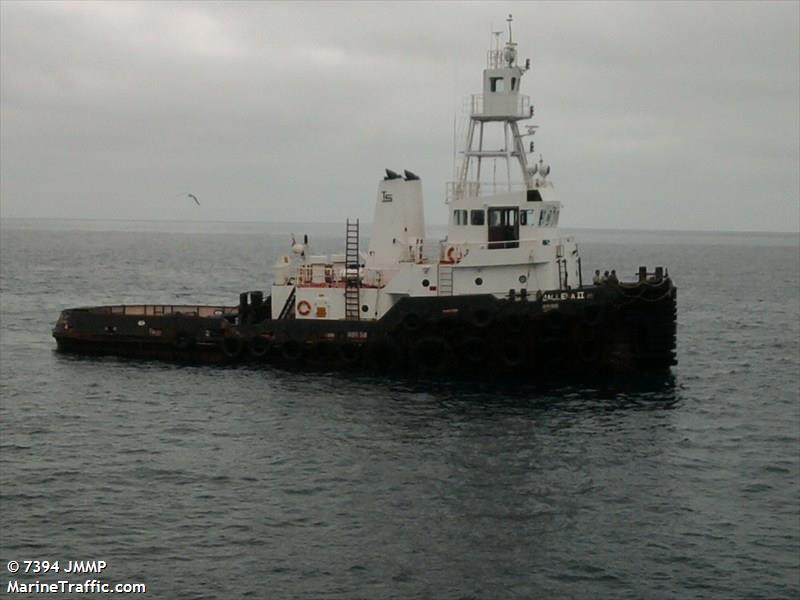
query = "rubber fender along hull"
{"x": 602, "y": 330}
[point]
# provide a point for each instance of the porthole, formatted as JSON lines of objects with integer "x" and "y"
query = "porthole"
{"x": 478, "y": 281}
{"x": 425, "y": 283}
{"x": 523, "y": 279}
{"x": 364, "y": 308}
{"x": 140, "y": 323}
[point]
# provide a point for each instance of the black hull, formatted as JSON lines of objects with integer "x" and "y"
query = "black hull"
{"x": 594, "y": 331}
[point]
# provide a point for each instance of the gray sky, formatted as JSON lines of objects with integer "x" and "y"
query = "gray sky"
{"x": 653, "y": 115}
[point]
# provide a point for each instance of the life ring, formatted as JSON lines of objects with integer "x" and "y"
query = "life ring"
{"x": 303, "y": 308}
{"x": 452, "y": 255}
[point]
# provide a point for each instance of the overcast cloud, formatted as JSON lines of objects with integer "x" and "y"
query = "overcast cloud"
{"x": 652, "y": 115}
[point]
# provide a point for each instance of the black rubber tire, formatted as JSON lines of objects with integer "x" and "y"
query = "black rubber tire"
{"x": 433, "y": 356}
{"x": 513, "y": 324}
{"x": 322, "y": 355}
{"x": 473, "y": 350}
{"x": 183, "y": 340}
{"x": 383, "y": 356}
{"x": 553, "y": 324}
{"x": 590, "y": 350}
{"x": 258, "y": 347}
{"x": 593, "y": 316}
{"x": 292, "y": 351}
{"x": 512, "y": 353}
{"x": 481, "y": 317}
{"x": 349, "y": 354}
{"x": 412, "y": 322}
{"x": 232, "y": 346}
{"x": 552, "y": 352}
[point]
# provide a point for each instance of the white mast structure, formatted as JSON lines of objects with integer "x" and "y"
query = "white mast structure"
{"x": 517, "y": 217}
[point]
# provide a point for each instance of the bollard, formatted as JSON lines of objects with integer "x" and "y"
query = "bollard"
{"x": 257, "y": 306}
{"x": 243, "y": 312}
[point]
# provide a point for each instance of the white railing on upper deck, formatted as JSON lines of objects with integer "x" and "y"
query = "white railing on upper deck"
{"x": 474, "y": 105}
{"x": 494, "y": 59}
{"x": 457, "y": 190}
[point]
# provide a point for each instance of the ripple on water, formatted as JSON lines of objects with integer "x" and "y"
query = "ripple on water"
{"x": 324, "y": 486}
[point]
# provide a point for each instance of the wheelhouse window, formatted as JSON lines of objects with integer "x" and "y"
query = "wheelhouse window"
{"x": 527, "y": 216}
{"x": 548, "y": 217}
{"x": 459, "y": 217}
{"x": 497, "y": 84}
{"x": 544, "y": 218}
{"x": 476, "y": 217}
{"x": 504, "y": 227}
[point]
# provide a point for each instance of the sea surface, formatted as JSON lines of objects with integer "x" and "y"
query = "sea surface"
{"x": 208, "y": 482}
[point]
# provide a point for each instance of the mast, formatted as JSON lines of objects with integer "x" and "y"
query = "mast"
{"x": 496, "y": 112}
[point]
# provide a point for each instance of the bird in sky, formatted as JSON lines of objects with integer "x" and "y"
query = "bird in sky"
{"x": 193, "y": 197}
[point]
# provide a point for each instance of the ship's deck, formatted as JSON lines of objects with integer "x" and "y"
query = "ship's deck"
{"x": 151, "y": 310}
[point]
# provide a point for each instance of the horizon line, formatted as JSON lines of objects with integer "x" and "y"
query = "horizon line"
{"x": 122, "y": 220}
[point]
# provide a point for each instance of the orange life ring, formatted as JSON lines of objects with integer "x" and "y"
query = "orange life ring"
{"x": 303, "y": 307}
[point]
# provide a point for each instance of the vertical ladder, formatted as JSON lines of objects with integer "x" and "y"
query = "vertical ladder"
{"x": 352, "y": 272}
{"x": 445, "y": 287}
{"x": 562, "y": 273}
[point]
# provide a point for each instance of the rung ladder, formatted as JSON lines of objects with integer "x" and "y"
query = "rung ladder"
{"x": 287, "y": 311}
{"x": 562, "y": 273}
{"x": 445, "y": 287}
{"x": 352, "y": 272}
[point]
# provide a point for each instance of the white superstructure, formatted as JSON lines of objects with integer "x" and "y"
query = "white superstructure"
{"x": 503, "y": 223}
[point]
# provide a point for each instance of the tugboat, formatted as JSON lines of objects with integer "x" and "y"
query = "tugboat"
{"x": 501, "y": 295}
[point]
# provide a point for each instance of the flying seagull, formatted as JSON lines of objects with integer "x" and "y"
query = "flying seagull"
{"x": 193, "y": 197}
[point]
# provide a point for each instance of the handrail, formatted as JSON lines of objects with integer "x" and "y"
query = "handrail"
{"x": 160, "y": 310}
{"x": 457, "y": 190}
{"x": 475, "y": 103}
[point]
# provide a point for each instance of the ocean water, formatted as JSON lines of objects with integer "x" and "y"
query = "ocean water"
{"x": 206, "y": 482}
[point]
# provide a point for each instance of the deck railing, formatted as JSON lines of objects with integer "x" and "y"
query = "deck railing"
{"x": 474, "y": 105}
{"x": 160, "y": 310}
{"x": 457, "y": 190}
